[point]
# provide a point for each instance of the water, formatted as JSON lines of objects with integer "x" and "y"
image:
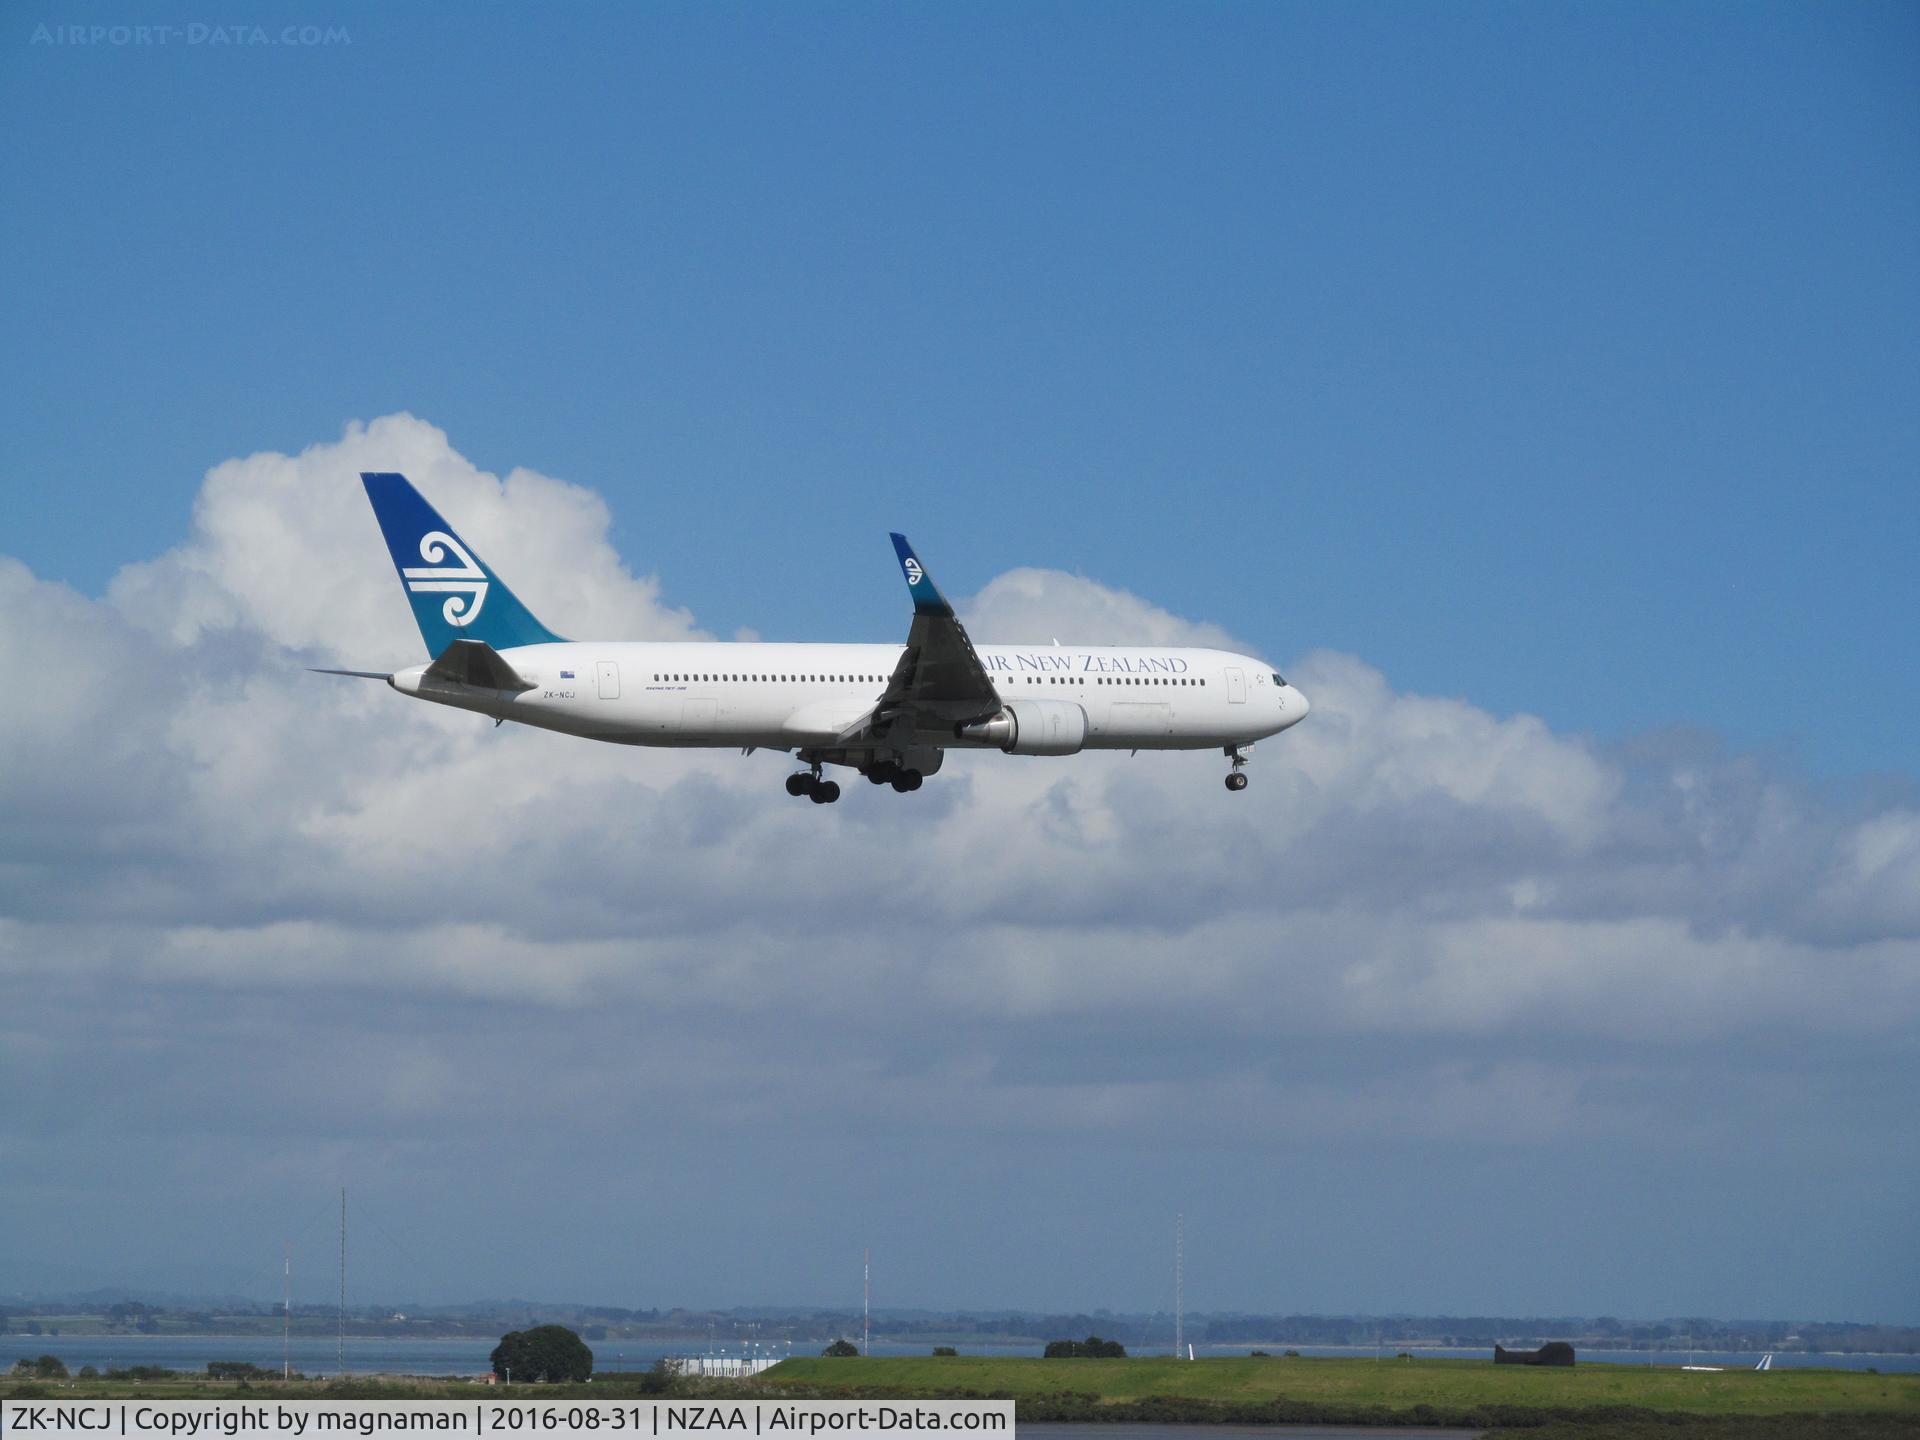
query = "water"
{"x": 311, "y": 1356}
{"x": 390, "y": 1355}
{"x": 376, "y": 1355}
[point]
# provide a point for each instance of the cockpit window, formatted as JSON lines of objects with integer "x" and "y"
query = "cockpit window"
{"x": 1278, "y": 678}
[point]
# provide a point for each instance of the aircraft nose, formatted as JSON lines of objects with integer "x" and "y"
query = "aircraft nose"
{"x": 1298, "y": 706}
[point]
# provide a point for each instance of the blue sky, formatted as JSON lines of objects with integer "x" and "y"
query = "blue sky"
{"x": 1566, "y": 358}
{"x": 1558, "y": 361}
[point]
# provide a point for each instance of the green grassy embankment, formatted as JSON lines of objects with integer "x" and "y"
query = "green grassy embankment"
{"x": 1588, "y": 1402}
{"x": 1471, "y": 1392}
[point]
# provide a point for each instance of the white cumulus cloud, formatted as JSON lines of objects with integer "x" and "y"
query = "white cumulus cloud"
{"x": 191, "y": 813}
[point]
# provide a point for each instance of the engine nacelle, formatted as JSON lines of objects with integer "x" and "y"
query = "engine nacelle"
{"x": 1031, "y": 727}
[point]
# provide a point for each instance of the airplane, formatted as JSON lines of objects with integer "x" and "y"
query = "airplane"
{"x": 1766, "y": 1363}
{"x": 888, "y": 712}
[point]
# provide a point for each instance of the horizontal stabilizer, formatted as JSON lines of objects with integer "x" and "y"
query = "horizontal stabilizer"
{"x": 475, "y": 663}
{"x": 386, "y": 675}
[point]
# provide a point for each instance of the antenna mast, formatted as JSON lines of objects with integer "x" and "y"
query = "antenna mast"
{"x": 343, "y": 1280}
{"x": 866, "y": 1298}
{"x": 1179, "y": 1285}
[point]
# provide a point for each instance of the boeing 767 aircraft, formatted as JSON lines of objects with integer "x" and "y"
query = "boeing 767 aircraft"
{"x": 888, "y": 711}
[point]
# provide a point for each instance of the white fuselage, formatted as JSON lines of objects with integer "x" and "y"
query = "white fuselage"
{"x": 715, "y": 693}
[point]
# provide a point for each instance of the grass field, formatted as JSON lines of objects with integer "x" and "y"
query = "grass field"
{"x": 1589, "y": 1402}
{"x": 1449, "y": 1385}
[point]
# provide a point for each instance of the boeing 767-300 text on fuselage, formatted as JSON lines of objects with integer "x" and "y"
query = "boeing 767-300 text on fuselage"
{"x": 888, "y": 711}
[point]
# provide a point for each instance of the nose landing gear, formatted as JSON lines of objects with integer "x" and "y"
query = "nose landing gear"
{"x": 1236, "y": 778}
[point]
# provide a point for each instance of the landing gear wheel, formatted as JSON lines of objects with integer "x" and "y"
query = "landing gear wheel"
{"x": 906, "y": 780}
{"x": 799, "y": 783}
{"x": 826, "y": 792}
{"x": 1237, "y": 754}
{"x": 883, "y": 773}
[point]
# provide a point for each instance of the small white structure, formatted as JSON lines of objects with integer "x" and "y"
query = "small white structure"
{"x": 721, "y": 1367}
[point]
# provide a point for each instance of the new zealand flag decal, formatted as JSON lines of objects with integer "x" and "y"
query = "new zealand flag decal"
{"x": 566, "y": 674}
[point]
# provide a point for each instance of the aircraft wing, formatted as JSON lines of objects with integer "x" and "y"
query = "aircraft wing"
{"x": 939, "y": 682}
{"x": 940, "y": 676}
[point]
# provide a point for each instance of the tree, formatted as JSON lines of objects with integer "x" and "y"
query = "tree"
{"x": 236, "y": 1370}
{"x": 1091, "y": 1348}
{"x": 945, "y": 1350}
{"x": 549, "y": 1354}
{"x": 840, "y": 1349}
{"x": 47, "y": 1367}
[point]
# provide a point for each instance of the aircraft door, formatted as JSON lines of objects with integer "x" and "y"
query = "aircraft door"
{"x": 1236, "y": 685}
{"x": 609, "y": 680}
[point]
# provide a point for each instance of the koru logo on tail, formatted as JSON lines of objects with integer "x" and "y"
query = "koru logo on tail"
{"x": 914, "y": 573}
{"x": 452, "y": 572}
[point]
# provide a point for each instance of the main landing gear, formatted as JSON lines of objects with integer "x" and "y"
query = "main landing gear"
{"x": 1236, "y": 779}
{"x": 904, "y": 769}
{"x": 809, "y": 784}
{"x": 886, "y": 772}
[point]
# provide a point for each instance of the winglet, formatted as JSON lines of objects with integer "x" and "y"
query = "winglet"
{"x": 927, "y": 599}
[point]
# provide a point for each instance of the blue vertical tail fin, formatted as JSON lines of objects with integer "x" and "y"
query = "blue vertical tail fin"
{"x": 455, "y": 596}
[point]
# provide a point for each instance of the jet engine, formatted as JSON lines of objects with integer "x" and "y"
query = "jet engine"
{"x": 1030, "y": 727}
